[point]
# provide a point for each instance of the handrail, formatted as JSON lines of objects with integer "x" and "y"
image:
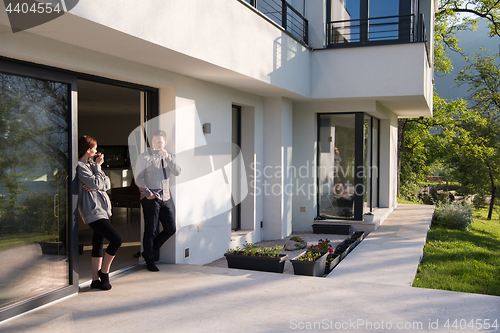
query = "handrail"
{"x": 395, "y": 29}
{"x": 282, "y": 13}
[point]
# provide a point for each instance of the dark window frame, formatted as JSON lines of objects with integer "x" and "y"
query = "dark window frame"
{"x": 359, "y": 119}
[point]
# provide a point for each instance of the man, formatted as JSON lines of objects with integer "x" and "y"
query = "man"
{"x": 153, "y": 170}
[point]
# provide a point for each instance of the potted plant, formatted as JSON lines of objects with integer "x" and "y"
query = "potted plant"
{"x": 310, "y": 263}
{"x": 332, "y": 260}
{"x": 257, "y": 258}
{"x": 368, "y": 217}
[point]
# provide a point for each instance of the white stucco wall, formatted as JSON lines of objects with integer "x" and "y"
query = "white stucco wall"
{"x": 151, "y": 42}
{"x": 278, "y": 160}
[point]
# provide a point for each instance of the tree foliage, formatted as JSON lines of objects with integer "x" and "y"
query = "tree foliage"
{"x": 450, "y": 19}
{"x": 413, "y": 156}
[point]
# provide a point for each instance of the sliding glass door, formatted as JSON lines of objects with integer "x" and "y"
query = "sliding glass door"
{"x": 35, "y": 205}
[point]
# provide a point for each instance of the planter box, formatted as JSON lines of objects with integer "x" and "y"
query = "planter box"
{"x": 309, "y": 268}
{"x": 368, "y": 218}
{"x": 330, "y": 265}
{"x": 254, "y": 263}
{"x": 52, "y": 248}
{"x": 333, "y": 229}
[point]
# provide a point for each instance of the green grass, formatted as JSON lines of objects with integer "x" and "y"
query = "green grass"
{"x": 464, "y": 261}
{"x": 404, "y": 201}
{"x": 11, "y": 241}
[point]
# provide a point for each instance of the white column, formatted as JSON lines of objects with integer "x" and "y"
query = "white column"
{"x": 277, "y": 161}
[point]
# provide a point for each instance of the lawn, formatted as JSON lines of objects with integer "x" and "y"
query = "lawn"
{"x": 464, "y": 261}
{"x": 11, "y": 241}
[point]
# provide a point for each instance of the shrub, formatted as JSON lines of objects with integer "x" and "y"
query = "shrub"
{"x": 479, "y": 201}
{"x": 453, "y": 215}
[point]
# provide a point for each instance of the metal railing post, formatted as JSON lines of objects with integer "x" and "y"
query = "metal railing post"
{"x": 284, "y": 10}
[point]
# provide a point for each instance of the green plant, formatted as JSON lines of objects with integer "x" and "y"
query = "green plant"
{"x": 479, "y": 201}
{"x": 296, "y": 239}
{"x": 310, "y": 256}
{"x": 323, "y": 245}
{"x": 453, "y": 215}
{"x": 250, "y": 249}
{"x": 462, "y": 261}
{"x": 331, "y": 256}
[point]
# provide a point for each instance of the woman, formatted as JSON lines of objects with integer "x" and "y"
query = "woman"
{"x": 95, "y": 209}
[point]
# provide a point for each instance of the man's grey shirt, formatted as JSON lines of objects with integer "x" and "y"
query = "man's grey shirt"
{"x": 153, "y": 175}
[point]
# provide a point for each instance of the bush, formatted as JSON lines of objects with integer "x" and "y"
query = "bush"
{"x": 453, "y": 215}
{"x": 479, "y": 201}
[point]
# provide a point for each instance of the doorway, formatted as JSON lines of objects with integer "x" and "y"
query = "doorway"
{"x": 110, "y": 113}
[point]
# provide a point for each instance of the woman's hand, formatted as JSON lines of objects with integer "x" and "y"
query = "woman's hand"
{"x": 99, "y": 159}
{"x": 86, "y": 188}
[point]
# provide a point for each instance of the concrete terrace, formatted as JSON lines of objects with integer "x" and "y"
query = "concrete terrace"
{"x": 369, "y": 291}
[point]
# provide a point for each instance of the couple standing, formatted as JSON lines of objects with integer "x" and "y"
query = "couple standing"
{"x": 152, "y": 174}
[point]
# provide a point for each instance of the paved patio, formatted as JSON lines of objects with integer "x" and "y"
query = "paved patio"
{"x": 369, "y": 291}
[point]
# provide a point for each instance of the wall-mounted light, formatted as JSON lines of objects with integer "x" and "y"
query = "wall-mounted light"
{"x": 207, "y": 128}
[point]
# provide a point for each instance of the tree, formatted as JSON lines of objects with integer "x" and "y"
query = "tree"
{"x": 449, "y": 19}
{"x": 478, "y": 139}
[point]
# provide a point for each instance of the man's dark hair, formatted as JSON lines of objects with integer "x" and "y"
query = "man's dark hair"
{"x": 160, "y": 133}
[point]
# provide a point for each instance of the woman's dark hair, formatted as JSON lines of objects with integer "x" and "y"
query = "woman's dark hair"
{"x": 85, "y": 143}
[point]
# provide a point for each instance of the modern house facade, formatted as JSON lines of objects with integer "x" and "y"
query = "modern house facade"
{"x": 308, "y": 91}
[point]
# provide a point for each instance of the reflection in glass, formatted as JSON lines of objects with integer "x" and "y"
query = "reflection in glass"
{"x": 33, "y": 187}
{"x": 336, "y": 165}
{"x": 367, "y": 184}
{"x": 371, "y": 162}
{"x": 385, "y": 26}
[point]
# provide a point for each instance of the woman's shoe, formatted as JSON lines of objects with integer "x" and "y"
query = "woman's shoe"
{"x": 104, "y": 280}
{"x": 96, "y": 284}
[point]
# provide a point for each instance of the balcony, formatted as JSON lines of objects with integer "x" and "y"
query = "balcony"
{"x": 376, "y": 31}
{"x": 283, "y": 14}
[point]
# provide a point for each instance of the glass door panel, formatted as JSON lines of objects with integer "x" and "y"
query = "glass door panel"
{"x": 367, "y": 158}
{"x": 336, "y": 165}
{"x": 34, "y": 150}
{"x": 375, "y": 163}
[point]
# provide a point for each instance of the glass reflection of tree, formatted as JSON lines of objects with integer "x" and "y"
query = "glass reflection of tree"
{"x": 33, "y": 151}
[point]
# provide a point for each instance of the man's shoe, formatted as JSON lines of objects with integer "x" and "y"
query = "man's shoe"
{"x": 152, "y": 267}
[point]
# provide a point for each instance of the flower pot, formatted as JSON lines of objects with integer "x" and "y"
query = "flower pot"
{"x": 52, "y": 248}
{"x": 368, "y": 218}
{"x": 330, "y": 265}
{"x": 309, "y": 268}
{"x": 256, "y": 263}
{"x": 332, "y": 229}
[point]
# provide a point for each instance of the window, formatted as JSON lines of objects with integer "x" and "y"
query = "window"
{"x": 348, "y": 162}
{"x": 34, "y": 201}
{"x": 375, "y": 21}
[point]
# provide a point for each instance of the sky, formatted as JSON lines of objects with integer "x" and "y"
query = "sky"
{"x": 472, "y": 41}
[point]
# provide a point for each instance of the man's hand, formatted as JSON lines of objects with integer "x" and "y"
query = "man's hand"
{"x": 151, "y": 197}
{"x": 164, "y": 153}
